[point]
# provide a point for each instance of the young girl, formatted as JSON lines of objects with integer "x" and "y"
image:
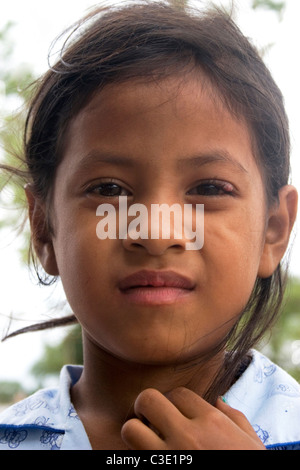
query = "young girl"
{"x": 167, "y": 107}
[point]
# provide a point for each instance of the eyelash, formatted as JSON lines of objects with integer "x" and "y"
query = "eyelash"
{"x": 214, "y": 188}
{"x": 105, "y": 186}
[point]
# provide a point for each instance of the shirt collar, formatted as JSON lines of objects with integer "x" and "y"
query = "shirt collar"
{"x": 51, "y": 410}
{"x": 270, "y": 400}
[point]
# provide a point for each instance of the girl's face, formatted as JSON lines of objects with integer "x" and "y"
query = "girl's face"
{"x": 166, "y": 142}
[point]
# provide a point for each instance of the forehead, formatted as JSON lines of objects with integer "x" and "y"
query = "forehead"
{"x": 181, "y": 95}
{"x": 175, "y": 117}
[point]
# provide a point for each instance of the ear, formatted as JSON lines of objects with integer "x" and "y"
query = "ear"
{"x": 42, "y": 239}
{"x": 281, "y": 219}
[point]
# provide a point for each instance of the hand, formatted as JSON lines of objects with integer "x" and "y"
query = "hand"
{"x": 184, "y": 421}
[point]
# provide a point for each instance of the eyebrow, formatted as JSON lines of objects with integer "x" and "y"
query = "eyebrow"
{"x": 95, "y": 158}
{"x": 211, "y": 157}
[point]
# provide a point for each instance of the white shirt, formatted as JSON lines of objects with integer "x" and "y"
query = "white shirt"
{"x": 47, "y": 420}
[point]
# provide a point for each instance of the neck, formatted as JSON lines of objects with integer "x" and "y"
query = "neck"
{"x": 109, "y": 386}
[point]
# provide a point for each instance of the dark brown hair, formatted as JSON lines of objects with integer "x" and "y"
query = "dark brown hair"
{"x": 151, "y": 40}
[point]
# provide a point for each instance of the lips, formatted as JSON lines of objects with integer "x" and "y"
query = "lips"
{"x": 156, "y": 279}
{"x": 156, "y": 287}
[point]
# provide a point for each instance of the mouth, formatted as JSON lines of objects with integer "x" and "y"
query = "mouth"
{"x": 156, "y": 287}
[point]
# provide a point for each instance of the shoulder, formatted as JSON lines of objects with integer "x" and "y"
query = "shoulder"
{"x": 270, "y": 399}
{"x": 41, "y": 421}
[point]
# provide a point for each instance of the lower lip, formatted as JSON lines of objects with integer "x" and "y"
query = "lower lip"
{"x": 156, "y": 295}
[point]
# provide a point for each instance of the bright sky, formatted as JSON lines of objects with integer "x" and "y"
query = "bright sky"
{"x": 37, "y": 23}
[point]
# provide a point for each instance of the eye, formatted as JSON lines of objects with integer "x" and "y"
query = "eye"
{"x": 212, "y": 188}
{"x": 108, "y": 189}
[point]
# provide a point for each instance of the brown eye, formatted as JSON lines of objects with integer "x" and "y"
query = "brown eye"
{"x": 212, "y": 188}
{"x": 108, "y": 190}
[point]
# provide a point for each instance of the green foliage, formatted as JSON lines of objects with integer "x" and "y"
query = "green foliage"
{"x": 69, "y": 351}
{"x": 276, "y": 6}
{"x": 18, "y": 78}
{"x": 179, "y": 3}
{"x": 16, "y": 92}
{"x": 9, "y": 391}
{"x": 286, "y": 332}
{"x": 288, "y": 324}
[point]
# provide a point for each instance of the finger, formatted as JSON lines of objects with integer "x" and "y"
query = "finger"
{"x": 158, "y": 410}
{"x": 236, "y": 416}
{"x": 187, "y": 402}
{"x": 137, "y": 436}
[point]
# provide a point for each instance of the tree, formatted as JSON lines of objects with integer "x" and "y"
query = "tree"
{"x": 283, "y": 344}
{"x": 15, "y": 85}
{"x": 179, "y": 3}
{"x": 276, "y": 6}
{"x": 16, "y": 92}
{"x": 69, "y": 351}
{"x": 10, "y": 391}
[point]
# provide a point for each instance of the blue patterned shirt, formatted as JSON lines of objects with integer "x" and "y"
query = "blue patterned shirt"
{"x": 47, "y": 420}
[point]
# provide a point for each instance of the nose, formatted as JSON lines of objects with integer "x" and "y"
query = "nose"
{"x": 153, "y": 247}
{"x": 156, "y": 229}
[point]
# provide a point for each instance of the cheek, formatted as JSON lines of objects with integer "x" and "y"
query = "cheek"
{"x": 231, "y": 253}
{"x": 240, "y": 233}
{"x": 83, "y": 261}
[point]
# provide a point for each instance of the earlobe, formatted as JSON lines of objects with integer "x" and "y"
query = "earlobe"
{"x": 41, "y": 238}
{"x": 281, "y": 219}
